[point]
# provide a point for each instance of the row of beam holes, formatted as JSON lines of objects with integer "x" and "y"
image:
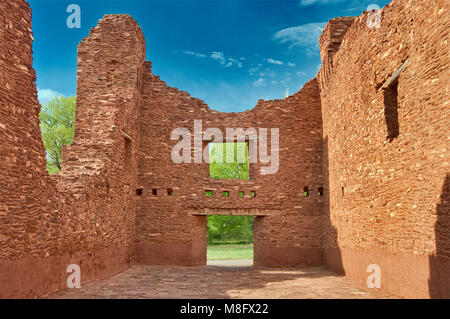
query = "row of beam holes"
{"x": 209, "y": 193}
{"x": 306, "y": 192}
{"x": 241, "y": 194}
{"x": 139, "y": 192}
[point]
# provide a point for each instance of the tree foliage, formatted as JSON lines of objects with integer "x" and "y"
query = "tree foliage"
{"x": 57, "y": 121}
{"x": 224, "y": 228}
{"x": 228, "y": 161}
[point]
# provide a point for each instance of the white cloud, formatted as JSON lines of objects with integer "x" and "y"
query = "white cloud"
{"x": 45, "y": 95}
{"x": 306, "y": 3}
{"x": 260, "y": 82}
{"x": 196, "y": 54}
{"x": 232, "y": 61}
{"x": 219, "y": 56}
{"x": 273, "y": 61}
{"x": 303, "y": 36}
{"x": 290, "y": 64}
{"x": 268, "y": 72}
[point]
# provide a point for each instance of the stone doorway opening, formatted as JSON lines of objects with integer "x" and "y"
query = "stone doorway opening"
{"x": 230, "y": 241}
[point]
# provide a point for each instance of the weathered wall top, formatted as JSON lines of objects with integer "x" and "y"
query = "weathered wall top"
{"x": 331, "y": 38}
{"x": 384, "y": 198}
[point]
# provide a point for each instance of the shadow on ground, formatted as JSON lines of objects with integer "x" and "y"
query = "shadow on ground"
{"x": 143, "y": 281}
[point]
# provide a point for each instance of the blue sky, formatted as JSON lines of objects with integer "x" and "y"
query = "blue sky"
{"x": 229, "y": 53}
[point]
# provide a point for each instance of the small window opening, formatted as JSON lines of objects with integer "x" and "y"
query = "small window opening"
{"x": 305, "y": 191}
{"x": 320, "y": 191}
{"x": 241, "y": 194}
{"x": 209, "y": 193}
{"x": 252, "y": 194}
{"x": 139, "y": 191}
{"x": 391, "y": 111}
{"x": 226, "y": 193}
{"x": 154, "y": 192}
{"x": 342, "y": 191}
{"x": 170, "y": 192}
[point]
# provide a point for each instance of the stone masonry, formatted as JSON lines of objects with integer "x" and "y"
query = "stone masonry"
{"x": 172, "y": 229}
{"x": 387, "y": 200}
{"x": 367, "y": 138}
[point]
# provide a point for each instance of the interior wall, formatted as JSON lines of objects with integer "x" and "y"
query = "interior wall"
{"x": 85, "y": 214}
{"x": 167, "y": 230}
{"x": 388, "y": 197}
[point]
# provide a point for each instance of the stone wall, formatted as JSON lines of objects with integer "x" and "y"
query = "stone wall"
{"x": 381, "y": 159}
{"x": 172, "y": 229}
{"x": 388, "y": 198}
{"x": 85, "y": 214}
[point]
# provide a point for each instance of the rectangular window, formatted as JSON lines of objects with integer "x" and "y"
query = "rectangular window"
{"x": 390, "y": 95}
{"x": 228, "y": 161}
{"x": 391, "y": 111}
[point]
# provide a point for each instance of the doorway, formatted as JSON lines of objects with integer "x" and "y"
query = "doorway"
{"x": 230, "y": 240}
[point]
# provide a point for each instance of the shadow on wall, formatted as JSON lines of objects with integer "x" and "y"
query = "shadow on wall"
{"x": 332, "y": 252}
{"x": 439, "y": 282}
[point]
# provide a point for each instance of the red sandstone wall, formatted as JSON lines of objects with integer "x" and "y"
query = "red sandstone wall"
{"x": 388, "y": 200}
{"x": 24, "y": 231}
{"x": 84, "y": 215}
{"x": 106, "y": 141}
{"x": 167, "y": 230}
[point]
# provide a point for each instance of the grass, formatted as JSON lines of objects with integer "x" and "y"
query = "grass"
{"x": 227, "y": 252}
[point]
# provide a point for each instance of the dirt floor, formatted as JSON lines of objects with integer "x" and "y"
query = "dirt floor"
{"x": 237, "y": 280}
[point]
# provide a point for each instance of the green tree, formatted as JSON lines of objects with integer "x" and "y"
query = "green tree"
{"x": 57, "y": 121}
{"x": 228, "y": 229}
{"x": 222, "y": 168}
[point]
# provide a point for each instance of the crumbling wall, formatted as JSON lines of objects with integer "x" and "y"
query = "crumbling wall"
{"x": 172, "y": 229}
{"x": 28, "y": 216}
{"x": 106, "y": 140}
{"x": 84, "y": 215}
{"x": 388, "y": 198}
{"x": 385, "y": 196}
